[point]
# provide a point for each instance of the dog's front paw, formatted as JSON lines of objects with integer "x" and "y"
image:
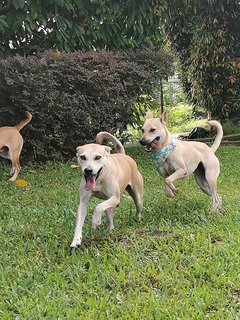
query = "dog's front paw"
{"x": 76, "y": 243}
{"x": 170, "y": 188}
{"x": 175, "y": 191}
{"x": 170, "y": 192}
{"x": 96, "y": 222}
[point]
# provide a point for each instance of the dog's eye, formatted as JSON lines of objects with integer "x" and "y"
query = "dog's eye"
{"x": 82, "y": 157}
{"x": 97, "y": 158}
{"x": 142, "y": 130}
{"x": 152, "y": 130}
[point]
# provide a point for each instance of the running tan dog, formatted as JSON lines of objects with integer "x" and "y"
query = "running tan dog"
{"x": 176, "y": 159}
{"x": 106, "y": 176}
{"x": 11, "y": 143}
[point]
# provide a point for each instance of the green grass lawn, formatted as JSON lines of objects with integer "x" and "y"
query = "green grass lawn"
{"x": 182, "y": 261}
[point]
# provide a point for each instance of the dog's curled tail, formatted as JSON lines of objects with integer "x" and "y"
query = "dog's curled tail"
{"x": 24, "y": 122}
{"x": 216, "y": 128}
{"x": 105, "y": 136}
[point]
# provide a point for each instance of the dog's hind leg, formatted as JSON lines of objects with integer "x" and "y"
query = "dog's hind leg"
{"x": 199, "y": 175}
{"x": 14, "y": 156}
{"x": 15, "y": 168}
{"x": 137, "y": 195}
{"x": 207, "y": 181}
{"x": 6, "y": 154}
{"x": 211, "y": 178}
{"x": 110, "y": 213}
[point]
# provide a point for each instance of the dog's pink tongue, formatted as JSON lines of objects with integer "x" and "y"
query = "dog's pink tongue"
{"x": 154, "y": 146}
{"x": 90, "y": 183}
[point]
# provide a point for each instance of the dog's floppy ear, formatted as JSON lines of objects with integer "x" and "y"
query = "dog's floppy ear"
{"x": 163, "y": 117}
{"x": 149, "y": 114}
{"x": 78, "y": 150}
{"x": 108, "y": 149}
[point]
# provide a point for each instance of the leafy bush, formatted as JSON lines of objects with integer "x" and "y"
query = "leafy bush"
{"x": 74, "y": 96}
{"x": 178, "y": 115}
{"x": 189, "y": 125}
{"x": 173, "y": 94}
{"x": 180, "y": 118}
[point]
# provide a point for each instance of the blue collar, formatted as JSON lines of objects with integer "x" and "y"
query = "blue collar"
{"x": 160, "y": 156}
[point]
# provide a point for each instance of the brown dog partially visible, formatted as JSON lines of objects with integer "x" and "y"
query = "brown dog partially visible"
{"x": 106, "y": 176}
{"x": 11, "y": 143}
{"x": 176, "y": 159}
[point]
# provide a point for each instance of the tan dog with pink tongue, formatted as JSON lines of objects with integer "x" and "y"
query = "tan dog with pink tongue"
{"x": 106, "y": 176}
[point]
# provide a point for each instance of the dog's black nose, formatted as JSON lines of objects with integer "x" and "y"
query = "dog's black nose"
{"x": 143, "y": 142}
{"x": 88, "y": 172}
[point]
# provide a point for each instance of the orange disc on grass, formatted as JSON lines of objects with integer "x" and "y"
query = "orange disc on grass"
{"x": 20, "y": 183}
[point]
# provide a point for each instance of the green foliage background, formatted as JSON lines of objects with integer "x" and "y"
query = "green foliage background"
{"x": 79, "y": 24}
{"x": 203, "y": 34}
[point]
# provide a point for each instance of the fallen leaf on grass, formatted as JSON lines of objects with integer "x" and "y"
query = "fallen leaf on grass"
{"x": 75, "y": 165}
{"x": 32, "y": 171}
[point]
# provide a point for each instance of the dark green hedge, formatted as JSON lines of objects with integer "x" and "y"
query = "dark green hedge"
{"x": 76, "y": 95}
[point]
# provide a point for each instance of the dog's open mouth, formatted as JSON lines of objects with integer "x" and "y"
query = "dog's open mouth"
{"x": 91, "y": 180}
{"x": 153, "y": 145}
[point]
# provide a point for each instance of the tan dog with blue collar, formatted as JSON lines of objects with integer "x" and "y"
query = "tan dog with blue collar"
{"x": 176, "y": 159}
